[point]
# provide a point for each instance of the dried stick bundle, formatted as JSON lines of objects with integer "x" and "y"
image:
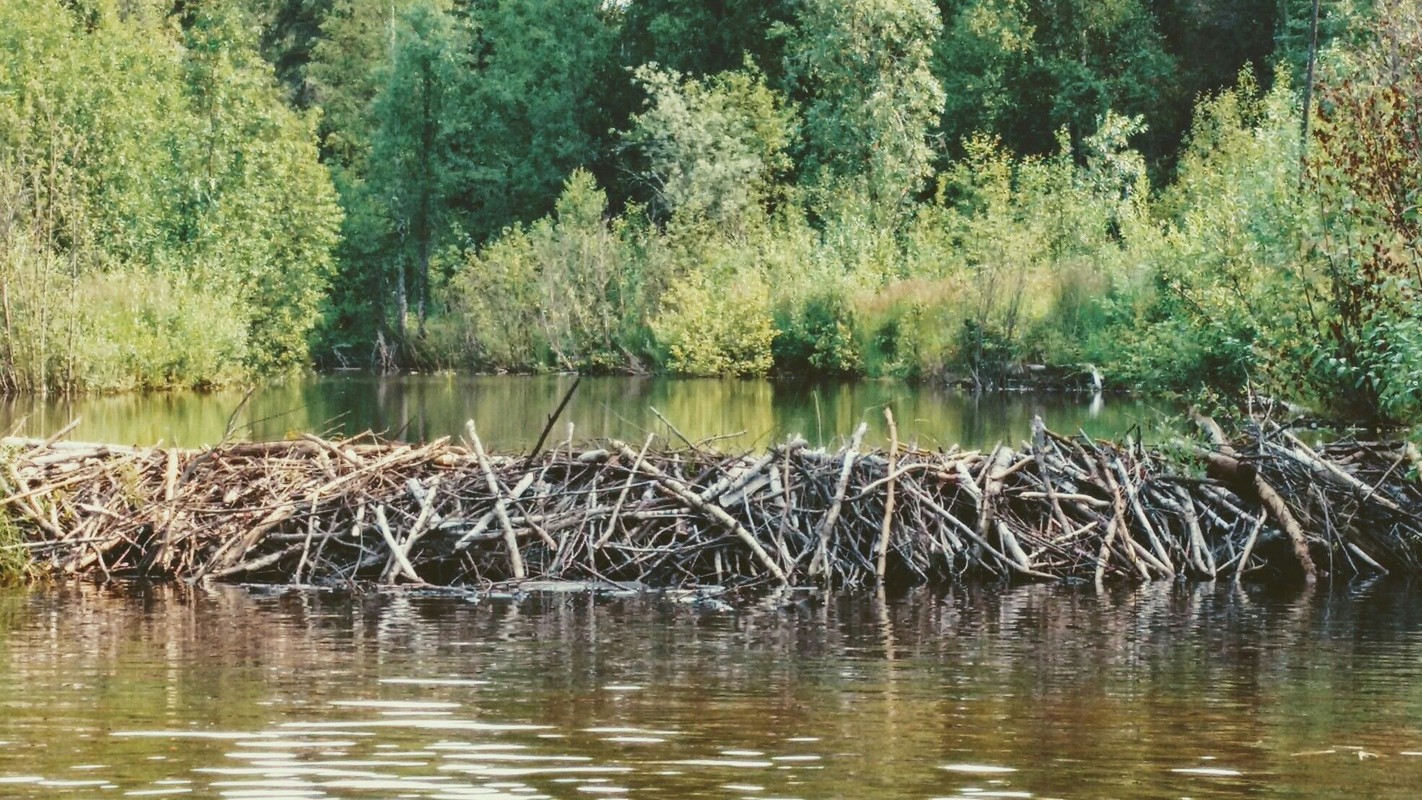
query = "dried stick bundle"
{"x": 364, "y": 511}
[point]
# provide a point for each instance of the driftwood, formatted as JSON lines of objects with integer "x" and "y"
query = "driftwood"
{"x": 364, "y": 512}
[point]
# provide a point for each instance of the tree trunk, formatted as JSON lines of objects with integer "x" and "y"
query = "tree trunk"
{"x": 402, "y": 303}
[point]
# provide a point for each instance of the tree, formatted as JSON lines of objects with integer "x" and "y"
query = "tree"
{"x": 705, "y": 37}
{"x": 713, "y": 148}
{"x": 1339, "y": 21}
{"x": 562, "y": 292}
{"x": 1365, "y": 164}
{"x": 869, "y": 96}
{"x": 695, "y": 38}
{"x": 349, "y": 64}
{"x": 259, "y": 213}
{"x": 1231, "y": 307}
{"x": 291, "y": 29}
{"x": 979, "y": 60}
{"x": 167, "y": 221}
{"x": 1025, "y": 69}
{"x": 410, "y": 153}
{"x": 528, "y": 110}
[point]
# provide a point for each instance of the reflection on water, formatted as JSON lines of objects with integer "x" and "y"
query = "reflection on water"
{"x": 512, "y": 410}
{"x": 1163, "y": 692}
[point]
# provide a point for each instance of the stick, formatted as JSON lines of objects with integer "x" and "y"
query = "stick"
{"x": 306, "y": 544}
{"x": 553, "y": 418}
{"x": 474, "y": 533}
{"x": 78, "y": 477}
{"x": 997, "y": 466}
{"x": 820, "y": 564}
{"x": 384, "y": 527}
{"x": 1010, "y": 544}
{"x": 972, "y": 534}
{"x": 1163, "y": 560}
{"x": 1118, "y": 519}
{"x": 672, "y": 427}
{"x": 258, "y": 563}
{"x": 1203, "y": 559}
{"x": 164, "y": 529}
{"x": 1039, "y": 446}
{"x": 888, "y": 526}
{"x": 1248, "y": 548}
{"x": 622, "y": 496}
{"x": 500, "y": 511}
{"x": 727, "y": 487}
{"x": 1274, "y": 503}
{"x": 37, "y": 446}
{"x": 1306, "y": 456}
{"x": 422, "y": 521}
{"x": 679, "y": 490}
{"x": 1365, "y": 558}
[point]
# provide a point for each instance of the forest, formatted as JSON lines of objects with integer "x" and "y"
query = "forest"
{"x": 1202, "y": 197}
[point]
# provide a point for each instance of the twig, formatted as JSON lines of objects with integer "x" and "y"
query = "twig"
{"x": 553, "y": 419}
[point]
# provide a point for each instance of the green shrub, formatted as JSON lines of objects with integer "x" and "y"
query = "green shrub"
{"x": 818, "y": 337}
{"x": 493, "y": 301}
{"x": 1229, "y": 307}
{"x": 155, "y": 332}
{"x": 1365, "y": 167}
{"x": 166, "y": 221}
{"x": 717, "y": 329}
{"x": 565, "y": 292}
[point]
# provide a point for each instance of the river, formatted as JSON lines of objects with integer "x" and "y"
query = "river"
{"x": 1166, "y": 691}
{"x": 510, "y": 411}
{"x": 1163, "y": 691}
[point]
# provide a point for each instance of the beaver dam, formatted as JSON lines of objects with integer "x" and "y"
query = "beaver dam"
{"x": 369, "y": 512}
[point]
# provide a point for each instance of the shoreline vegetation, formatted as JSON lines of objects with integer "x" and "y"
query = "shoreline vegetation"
{"x": 1208, "y": 198}
{"x": 1260, "y": 506}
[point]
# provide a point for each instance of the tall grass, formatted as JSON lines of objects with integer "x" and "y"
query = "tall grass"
{"x": 72, "y": 322}
{"x": 15, "y": 564}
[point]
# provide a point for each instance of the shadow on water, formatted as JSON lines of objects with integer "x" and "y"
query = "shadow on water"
{"x": 1164, "y": 691}
{"x": 511, "y": 411}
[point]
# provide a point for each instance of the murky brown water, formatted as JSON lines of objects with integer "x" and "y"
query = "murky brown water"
{"x": 511, "y": 411}
{"x": 1164, "y": 692}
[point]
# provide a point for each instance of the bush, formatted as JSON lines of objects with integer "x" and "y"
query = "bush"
{"x": 717, "y": 329}
{"x": 818, "y": 337}
{"x": 564, "y": 292}
{"x": 1365, "y": 166}
{"x": 164, "y": 219}
{"x": 152, "y": 332}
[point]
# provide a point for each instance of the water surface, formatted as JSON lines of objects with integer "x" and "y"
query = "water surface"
{"x": 1161, "y": 692}
{"x": 510, "y": 411}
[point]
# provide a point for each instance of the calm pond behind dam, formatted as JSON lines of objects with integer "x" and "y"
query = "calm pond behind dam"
{"x": 1167, "y": 691}
{"x": 511, "y": 410}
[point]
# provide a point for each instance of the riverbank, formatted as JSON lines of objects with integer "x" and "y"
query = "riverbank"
{"x": 367, "y": 512}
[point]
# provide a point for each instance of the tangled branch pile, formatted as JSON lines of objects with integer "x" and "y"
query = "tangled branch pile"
{"x": 364, "y": 511}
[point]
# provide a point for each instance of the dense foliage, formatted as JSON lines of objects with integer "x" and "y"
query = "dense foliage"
{"x": 164, "y": 219}
{"x": 192, "y": 192}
